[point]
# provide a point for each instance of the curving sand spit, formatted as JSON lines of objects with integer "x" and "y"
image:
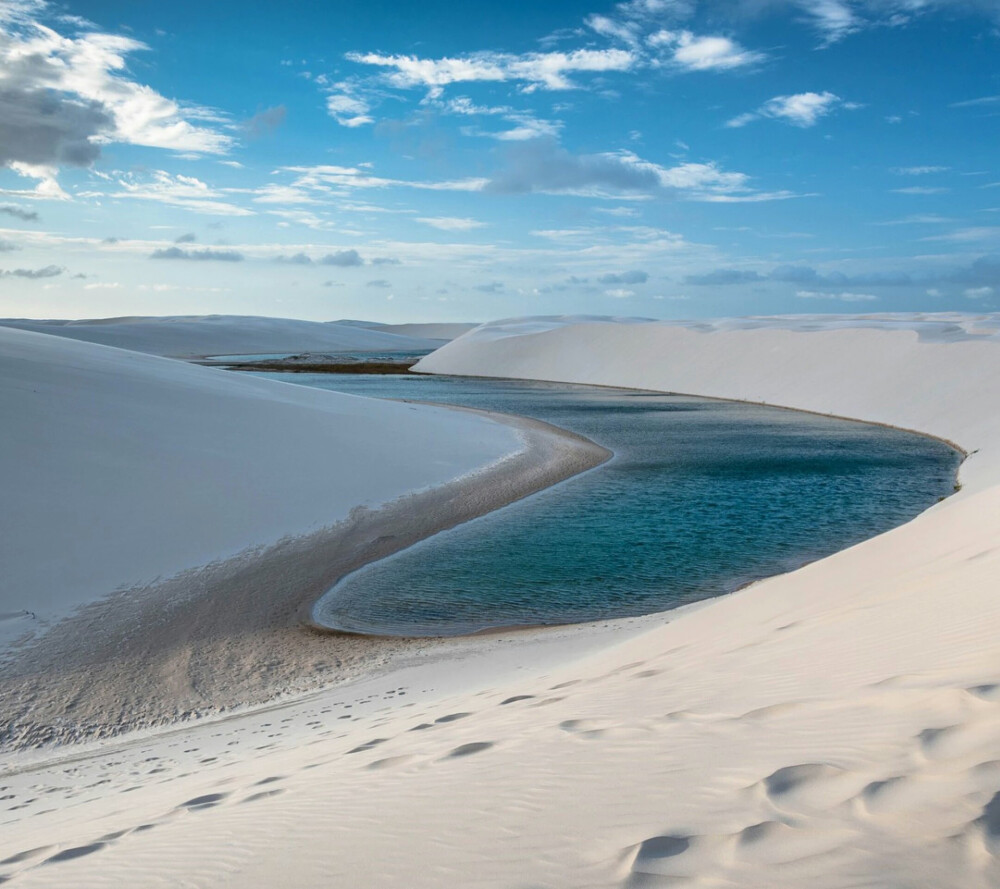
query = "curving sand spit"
{"x": 222, "y": 630}
{"x": 838, "y": 726}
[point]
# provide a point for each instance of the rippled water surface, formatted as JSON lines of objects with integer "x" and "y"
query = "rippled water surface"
{"x": 701, "y": 497}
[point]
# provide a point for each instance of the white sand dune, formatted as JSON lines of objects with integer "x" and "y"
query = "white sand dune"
{"x": 838, "y": 726}
{"x": 185, "y": 336}
{"x": 122, "y": 468}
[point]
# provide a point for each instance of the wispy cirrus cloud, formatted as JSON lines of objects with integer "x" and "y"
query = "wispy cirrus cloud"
{"x": 691, "y": 52}
{"x": 637, "y": 41}
{"x": 982, "y": 101}
{"x": 451, "y": 223}
{"x": 978, "y": 292}
{"x": 843, "y": 296}
{"x": 969, "y": 235}
{"x": 801, "y": 109}
{"x": 328, "y": 178}
{"x": 833, "y": 20}
{"x": 177, "y": 190}
{"x": 548, "y": 70}
{"x": 346, "y": 105}
{"x": 925, "y": 170}
{"x": 523, "y": 124}
{"x": 921, "y": 189}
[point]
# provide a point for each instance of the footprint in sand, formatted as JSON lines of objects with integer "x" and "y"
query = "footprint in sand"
{"x": 389, "y": 762}
{"x": 76, "y": 852}
{"x": 368, "y": 745}
{"x": 27, "y": 855}
{"x": 264, "y": 794}
{"x": 811, "y": 786}
{"x": 203, "y": 802}
{"x": 469, "y": 749}
{"x": 584, "y": 728}
{"x": 989, "y": 821}
{"x": 776, "y": 843}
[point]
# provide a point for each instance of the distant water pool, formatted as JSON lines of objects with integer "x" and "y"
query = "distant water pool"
{"x": 701, "y": 497}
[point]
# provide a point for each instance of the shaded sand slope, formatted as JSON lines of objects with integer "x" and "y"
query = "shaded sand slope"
{"x": 186, "y": 336}
{"x": 123, "y": 468}
{"x": 835, "y": 727}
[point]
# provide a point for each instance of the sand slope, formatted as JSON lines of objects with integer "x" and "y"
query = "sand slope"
{"x": 198, "y": 336}
{"x": 122, "y": 468}
{"x": 838, "y": 726}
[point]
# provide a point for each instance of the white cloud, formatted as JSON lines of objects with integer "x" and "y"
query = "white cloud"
{"x": 976, "y": 103}
{"x": 693, "y": 53}
{"x": 328, "y": 178}
{"x": 451, "y": 223}
{"x": 962, "y": 235}
{"x": 281, "y": 194}
{"x": 619, "y": 293}
{"x": 918, "y": 171}
{"x": 833, "y": 17}
{"x": 843, "y": 297}
{"x": 801, "y": 109}
{"x": 526, "y": 125}
{"x": 346, "y": 107}
{"x": 301, "y": 217}
{"x": 547, "y": 168}
{"x": 617, "y": 211}
{"x": 978, "y": 292}
{"x": 83, "y": 81}
{"x": 178, "y": 191}
{"x": 546, "y": 70}
{"x": 921, "y": 189}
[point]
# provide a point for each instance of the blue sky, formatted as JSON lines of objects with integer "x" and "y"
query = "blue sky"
{"x": 396, "y": 162}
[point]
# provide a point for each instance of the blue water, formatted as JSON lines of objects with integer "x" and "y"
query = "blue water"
{"x": 701, "y": 497}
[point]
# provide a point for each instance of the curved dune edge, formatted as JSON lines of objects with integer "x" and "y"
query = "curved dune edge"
{"x": 239, "y": 632}
{"x": 836, "y": 726}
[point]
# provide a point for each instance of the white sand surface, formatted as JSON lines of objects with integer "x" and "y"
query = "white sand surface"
{"x": 187, "y": 336}
{"x": 121, "y": 468}
{"x": 838, "y": 726}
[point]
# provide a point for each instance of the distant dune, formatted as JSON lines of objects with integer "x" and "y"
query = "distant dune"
{"x": 198, "y": 336}
{"x": 432, "y": 330}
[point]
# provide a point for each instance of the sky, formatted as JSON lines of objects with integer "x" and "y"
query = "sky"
{"x": 396, "y": 161}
